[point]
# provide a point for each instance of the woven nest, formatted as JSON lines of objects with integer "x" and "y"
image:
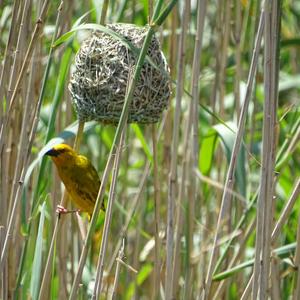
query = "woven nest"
{"x": 103, "y": 66}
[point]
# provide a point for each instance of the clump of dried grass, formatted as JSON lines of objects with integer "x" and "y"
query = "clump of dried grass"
{"x": 102, "y": 67}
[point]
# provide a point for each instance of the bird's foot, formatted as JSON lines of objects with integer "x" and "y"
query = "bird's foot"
{"x": 62, "y": 210}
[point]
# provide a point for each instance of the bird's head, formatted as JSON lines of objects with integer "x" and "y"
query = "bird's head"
{"x": 61, "y": 154}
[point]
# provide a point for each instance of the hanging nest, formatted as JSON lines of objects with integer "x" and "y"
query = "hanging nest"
{"x": 103, "y": 67}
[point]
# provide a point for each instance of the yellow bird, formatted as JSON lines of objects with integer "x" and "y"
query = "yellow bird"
{"x": 79, "y": 176}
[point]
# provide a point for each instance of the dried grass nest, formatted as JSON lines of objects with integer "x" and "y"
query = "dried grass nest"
{"x": 102, "y": 67}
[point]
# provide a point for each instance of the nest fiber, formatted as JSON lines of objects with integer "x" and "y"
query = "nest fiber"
{"x": 103, "y": 66}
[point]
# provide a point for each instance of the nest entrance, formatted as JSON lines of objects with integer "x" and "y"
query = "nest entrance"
{"x": 102, "y": 68}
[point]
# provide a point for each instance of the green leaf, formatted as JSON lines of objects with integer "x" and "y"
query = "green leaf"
{"x": 90, "y": 26}
{"x": 37, "y": 260}
{"x": 207, "y": 150}
{"x": 137, "y": 130}
{"x": 80, "y": 19}
{"x": 282, "y": 252}
{"x": 226, "y": 134}
{"x": 290, "y": 42}
{"x": 166, "y": 11}
{"x": 140, "y": 278}
{"x": 59, "y": 90}
{"x": 233, "y": 270}
{"x": 107, "y": 136}
{"x": 227, "y": 138}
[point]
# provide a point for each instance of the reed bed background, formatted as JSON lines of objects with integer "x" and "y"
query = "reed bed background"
{"x": 202, "y": 205}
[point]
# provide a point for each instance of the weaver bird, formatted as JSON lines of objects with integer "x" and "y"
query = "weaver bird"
{"x": 79, "y": 177}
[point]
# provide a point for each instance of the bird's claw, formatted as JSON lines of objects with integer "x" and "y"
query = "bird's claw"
{"x": 62, "y": 210}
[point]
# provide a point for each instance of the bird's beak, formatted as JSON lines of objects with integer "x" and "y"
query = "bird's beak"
{"x": 52, "y": 152}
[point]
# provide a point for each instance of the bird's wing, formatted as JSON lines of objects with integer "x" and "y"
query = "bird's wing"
{"x": 92, "y": 181}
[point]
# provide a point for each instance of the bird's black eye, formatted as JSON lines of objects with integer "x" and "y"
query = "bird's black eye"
{"x": 55, "y": 152}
